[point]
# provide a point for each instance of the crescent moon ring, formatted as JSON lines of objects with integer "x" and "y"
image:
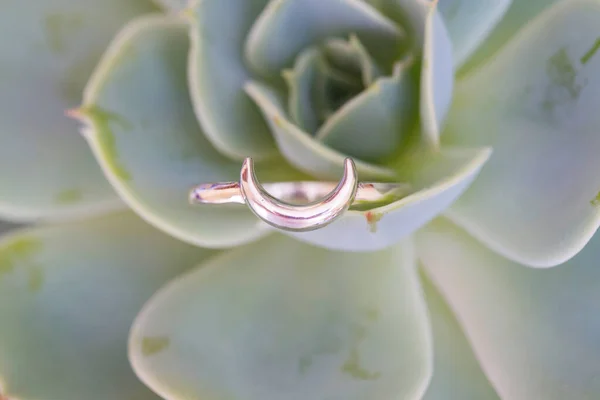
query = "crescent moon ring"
{"x": 294, "y": 206}
{"x": 298, "y": 218}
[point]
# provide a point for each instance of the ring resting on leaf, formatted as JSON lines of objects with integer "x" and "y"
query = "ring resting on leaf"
{"x": 294, "y": 206}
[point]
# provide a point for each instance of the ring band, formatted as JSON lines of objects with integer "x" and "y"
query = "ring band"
{"x": 295, "y": 206}
{"x": 293, "y": 192}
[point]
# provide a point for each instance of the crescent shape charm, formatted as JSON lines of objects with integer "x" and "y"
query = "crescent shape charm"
{"x": 298, "y": 218}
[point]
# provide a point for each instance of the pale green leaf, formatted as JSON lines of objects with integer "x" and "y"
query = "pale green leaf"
{"x": 324, "y": 78}
{"x": 429, "y": 41}
{"x": 284, "y": 320}
{"x": 437, "y": 77}
{"x": 409, "y": 14}
{"x": 457, "y": 374}
{"x": 334, "y": 88}
{"x": 68, "y": 296}
{"x": 370, "y": 70}
{"x": 534, "y": 332}
{"x": 302, "y": 81}
{"x": 301, "y": 149}
{"x": 286, "y": 27}
{"x": 172, "y": 5}
{"x": 49, "y": 49}
{"x": 519, "y": 14}
{"x": 375, "y": 124}
{"x": 535, "y": 103}
{"x": 435, "y": 180}
{"x": 470, "y": 22}
{"x": 144, "y": 133}
{"x": 217, "y": 73}
{"x": 341, "y": 55}
{"x": 352, "y": 55}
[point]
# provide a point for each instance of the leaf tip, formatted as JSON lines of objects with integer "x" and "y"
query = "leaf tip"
{"x": 75, "y": 113}
{"x": 372, "y": 220}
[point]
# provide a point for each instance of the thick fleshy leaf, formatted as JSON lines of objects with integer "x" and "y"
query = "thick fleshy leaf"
{"x": 437, "y": 180}
{"x": 534, "y": 332}
{"x": 301, "y": 149}
{"x": 323, "y": 79}
{"x": 536, "y": 105}
{"x": 334, "y": 88}
{"x": 144, "y": 133}
{"x": 48, "y": 51}
{"x": 373, "y": 125}
{"x": 437, "y": 76}
{"x": 456, "y": 373}
{"x": 68, "y": 297}
{"x": 281, "y": 319}
{"x": 286, "y": 27}
{"x": 172, "y": 5}
{"x": 301, "y": 84}
{"x": 217, "y": 75}
{"x": 341, "y": 55}
{"x": 409, "y": 14}
{"x": 370, "y": 71}
{"x": 351, "y": 54}
{"x": 469, "y": 22}
{"x": 518, "y": 15}
{"x": 429, "y": 39}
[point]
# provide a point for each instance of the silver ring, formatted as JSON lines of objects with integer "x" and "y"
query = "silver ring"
{"x": 295, "y": 206}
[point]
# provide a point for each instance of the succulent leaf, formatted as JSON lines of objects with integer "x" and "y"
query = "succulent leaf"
{"x": 370, "y": 70}
{"x": 457, "y": 374}
{"x": 519, "y": 14}
{"x": 217, "y": 73}
{"x": 302, "y": 81}
{"x": 535, "y": 334}
{"x": 69, "y": 294}
{"x": 437, "y": 76}
{"x": 286, "y": 27}
{"x": 535, "y": 201}
{"x": 411, "y": 15}
{"x": 301, "y": 149}
{"x": 436, "y": 180}
{"x": 470, "y": 22}
{"x": 146, "y": 137}
{"x": 430, "y": 43}
{"x": 374, "y": 125}
{"x": 351, "y": 54}
{"x": 281, "y": 319}
{"x": 172, "y": 5}
{"x": 49, "y": 50}
{"x": 342, "y": 55}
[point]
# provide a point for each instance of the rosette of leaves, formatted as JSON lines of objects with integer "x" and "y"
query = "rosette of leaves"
{"x": 483, "y": 111}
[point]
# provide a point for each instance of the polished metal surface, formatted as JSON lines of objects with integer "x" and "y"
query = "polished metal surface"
{"x": 302, "y": 192}
{"x": 293, "y": 217}
{"x": 294, "y": 206}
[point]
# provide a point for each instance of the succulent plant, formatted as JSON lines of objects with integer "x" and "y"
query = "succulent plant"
{"x": 118, "y": 288}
